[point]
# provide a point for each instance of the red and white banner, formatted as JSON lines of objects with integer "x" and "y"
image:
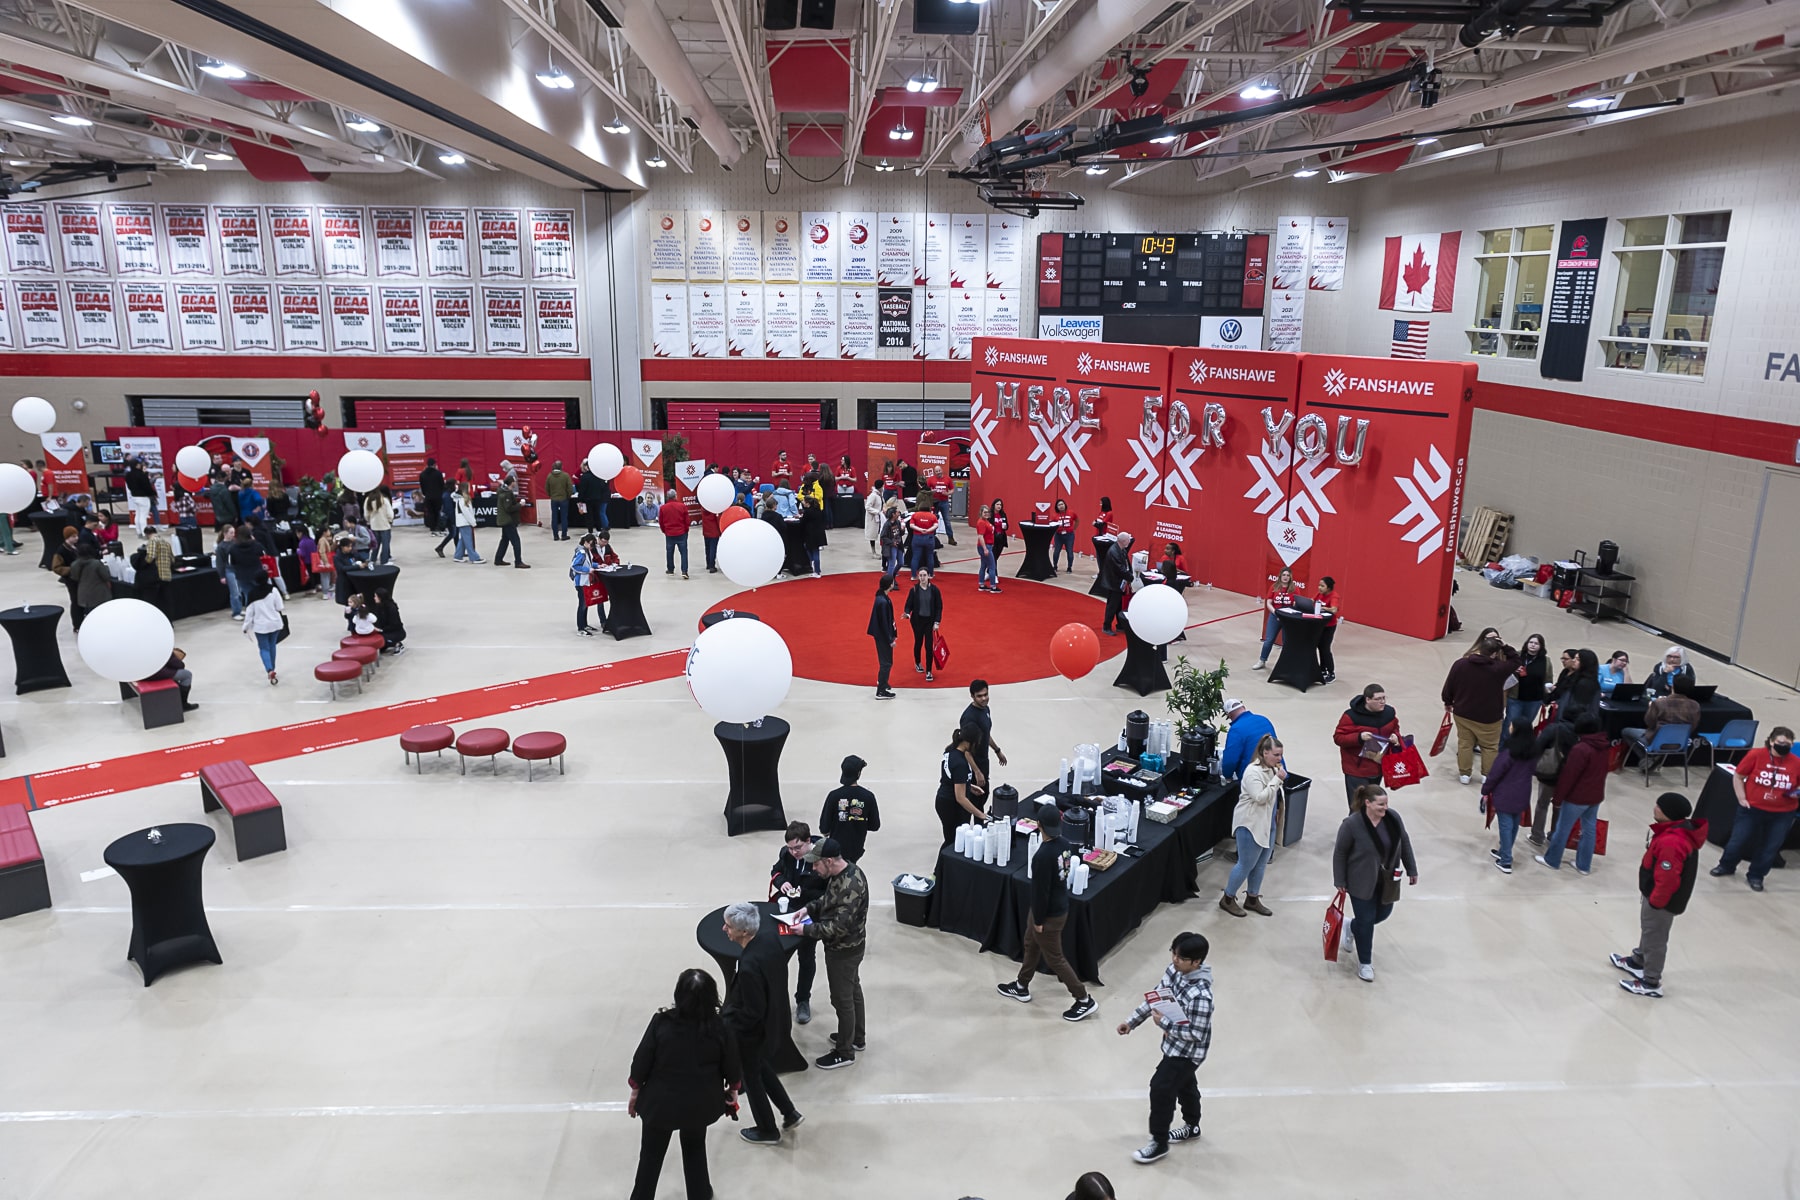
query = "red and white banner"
{"x": 453, "y": 320}
{"x": 1290, "y": 252}
{"x": 706, "y": 304}
{"x": 352, "y": 307}
{"x": 781, "y": 321}
{"x": 446, "y": 242}
{"x": 781, "y": 247}
{"x": 197, "y": 316}
{"x": 1004, "y": 316}
{"x": 41, "y": 315}
{"x": 252, "y": 317}
{"x": 403, "y": 320}
{"x": 188, "y": 230}
{"x": 147, "y": 317}
{"x": 503, "y": 320}
{"x": 78, "y": 230}
{"x": 705, "y": 247}
{"x": 819, "y": 236}
{"x": 501, "y": 246}
{"x": 363, "y": 439}
{"x": 240, "y": 238}
{"x": 255, "y": 453}
{"x": 858, "y": 321}
{"x": 556, "y": 327}
{"x": 344, "y": 238}
{"x": 65, "y": 464}
{"x": 968, "y": 250}
{"x": 553, "y": 242}
{"x": 967, "y": 313}
{"x": 936, "y": 254}
{"x": 668, "y": 245}
{"x": 134, "y": 238}
{"x": 302, "y": 317}
{"x": 744, "y": 322}
{"x": 292, "y": 233}
{"x": 396, "y": 242}
{"x": 1418, "y": 272}
{"x": 668, "y": 321}
{"x": 7, "y": 341}
{"x": 743, "y": 247}
{"x": 894, "y": 251}
{"x": 857, "y": 260}
{"x": 1005, "y": 251}
{"x": 27, "y": 238}
{"x": 819, "y": 322}
{"x": 96, "y": 317}
{"x": 1330, "y": 245}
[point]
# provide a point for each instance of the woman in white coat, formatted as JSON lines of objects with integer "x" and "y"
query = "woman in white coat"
{"x": 1254, "y": 827}
{"x": 872, "y": 519}
{"x": 263, "y": 620}
{"x": 465, "y": 526}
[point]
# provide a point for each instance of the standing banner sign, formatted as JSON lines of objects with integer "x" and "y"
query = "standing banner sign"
{"x": 688, "y": 473}
{"x": 406, "y": 458}
{"x": 65, "y": 464}
{"x": 255, "y": 453}
{"x": 363, "y": 439}
{"x": 884, "y": 452}
{"x": 1571, "y": 308}
{"x": 648, "y": 453}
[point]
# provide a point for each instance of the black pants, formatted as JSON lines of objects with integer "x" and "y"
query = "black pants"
{"x": 434, "y": 512}
{"x": 1327, "y": 663}
{"x": 1173, "y": 1082}
{"x": 1115, "y": 602}
{"x": 884, "y": 655}
{"x": 449, "y": 536}
{"x": 762, "y": 1084}
{"x": 950, "y": 817}
{"x": 921, "y": 643}
{"x": 655, "y": 1148}
{"x": 509, "y": 536}
{"x": 808, "y": 954}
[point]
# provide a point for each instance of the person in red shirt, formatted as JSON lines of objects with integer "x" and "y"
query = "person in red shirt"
{"x": 987, "y": 579}
{"x": 1768, "y": 795}
{"x": 1327, "y": 601}
{"x": 1063, "y": 540}
{"x": 1281, "y": 595}
{"x": 939, "y": 483}
{"x": 923, "y": 526}
{"x": 780, "y": 472}
{"x": 672, "y": 518}
{"x": 709, "y": 537}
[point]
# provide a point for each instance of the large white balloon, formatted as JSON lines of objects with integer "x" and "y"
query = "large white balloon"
{"x": 750, "y": 553}
{"x": 361, "y": 470}
{"x": 126, "y": 640}
{"x": 605, "y": 460}
{"x": 715, "y": 493}
{"x": 34, "y": 414}
{"x": 739, "y": 670}
{"x": 1158, "y": 614}
{"x": 193, "y": 461}
{"x": 16, "y": 490}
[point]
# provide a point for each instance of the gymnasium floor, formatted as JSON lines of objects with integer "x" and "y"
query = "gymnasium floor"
{"x": 436, "y": 990}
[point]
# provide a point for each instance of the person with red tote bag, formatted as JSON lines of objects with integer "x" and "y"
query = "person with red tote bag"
{"x": 1371, "y": 853}
{"x": 925, "y": 610}
{"x": 1506, "y": 792}
{"x": 1367, "y": 729}
{"x": 1403, "y": 767}
{"x": 1580, "y": 787}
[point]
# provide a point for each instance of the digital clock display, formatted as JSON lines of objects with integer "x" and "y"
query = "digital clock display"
{"x": 1157, "y": 245}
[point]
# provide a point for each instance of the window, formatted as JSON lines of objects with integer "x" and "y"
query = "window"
{"x": 1514, "y": 267}
{"x": 1666, "y": 293}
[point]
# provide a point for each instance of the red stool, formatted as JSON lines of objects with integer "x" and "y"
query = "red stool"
{"x": 422, "y": 739}
{"x": 364, "y": 657}
{"x": 339, "y": 670}
{"x": 482, "y": 743}
{"x": 373, "y": 640}
{"x": 540, "y": 747}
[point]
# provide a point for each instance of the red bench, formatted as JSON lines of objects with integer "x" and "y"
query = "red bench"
{"x": 24, "y": 887}
{"x": 160, "y": 700}
{"x": 256, "y": 823}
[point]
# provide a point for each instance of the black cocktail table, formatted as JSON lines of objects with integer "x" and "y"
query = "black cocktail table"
{"x": 794, "y": 560}
{"x": 1037, "y": 564}
{"x": 37, "y": 661}
{"x": 753, "y": 759}
{"x": 708, "y": 620}
{"x": 366, "y": 581}
{"x": 785, "y": 1057}
{"x": 1299, "y": 661}
{"x": 168, "y": 916}
{"x": 1143, "y": 671}
{"x": 191, "y": 593}
{"x": 625, "y": 593}
{"x": 1102, "y": 545}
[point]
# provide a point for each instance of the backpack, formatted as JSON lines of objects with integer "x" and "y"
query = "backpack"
{"x": 1549, "y": 762}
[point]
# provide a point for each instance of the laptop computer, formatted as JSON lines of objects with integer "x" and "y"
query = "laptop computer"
{"x": 1704, "y": 693}
{"x": 1627, "y": 692}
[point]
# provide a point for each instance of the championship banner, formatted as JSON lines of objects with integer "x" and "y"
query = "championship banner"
{"x": 396, "y": 242}
{"x": 1005, "y": 252}
{"x": 744, "y": 322}
{"x": 894, "y": 249}
{"x": 501, "y": 246}
{"x": 405, "y": 459}
{"x": 1330, "y": 244}
{"x": 819, "y": 322}
{"x": 363, "y": 439}
{"x": 668, "y": 321}
{"x": 1290, "y": 253}
{"x": 781, "y": 321}
{"x": 556, "y": 329}
{"x": 252, "y": 316}
{"x": 345, "y": 241}
{"x": 65, "y": 464}
{"x": 147, "y": 317}
{"x": 668, "y": 246}
{"x": 706, "y": 320}
{"x": 819, "y": 247}
{"x": 302, "y": 317}
{"x": 936, "y": 255}
{"x": 7, "y": 341}
{"x": 648, "y": 456}
{"x": 149, "y": 449}
{"x": 352, "y": 308}
{"x": 134, "y": 238}
{"x": 403, "y": 320}
{"x": 197, "y": 316}
{"x": 96, "y": 318}
{"x": 884, "y": 453}
{"x": 78, "y": 229}
{"x": 1003, "y": 316}
{"x": 453, "y": 320}
{"x": 255, "y": 454}
{"x": 705, "y": 247}
{"x": 968, "y": 311}
{"x": 895, "y": 323}
{"x": 553, "y": 242}
{"x": 447, "y": 242}
{"x": 931, "y": 313}
{"x": 781, "y": 247}
{"x": 240, "y": 238}
{"x": 857, "y": 321}
{"x": 1573, "y": 279}
{"x": 40, "y": 315}
{"x": 503, "y": 319}
{"x": 968, "y": 250}
{"x": 291, "y": 232}
{"x": 743, "y": 247}
{"x": 188, "y": 229}
{"x": 27, "y": 229}
{"x": 857, "y": 259}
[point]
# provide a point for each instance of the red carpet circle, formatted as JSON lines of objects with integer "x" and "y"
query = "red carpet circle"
{"x": 1002, "y": 639}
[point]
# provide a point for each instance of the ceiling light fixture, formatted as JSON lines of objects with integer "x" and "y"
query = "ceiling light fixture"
{"x": 451, "y": 158}
{"x": 1259, "y": 91}
{"x": 924, "y": 81}
{"x": 1306, "y": 173}
{"x": 72, "y": 119}
{"x": 616, "y": 125}
{"x": 1426, "y": 141}
{"x": 1594, "y": 102}
{"x": 1164, "y": 140}
{"x": 29, "y": 125}
{"x": 1140, "y": 81}
{"x": 556, "y": 79}
{"x": 223, "y": 70}
{"x": 1096, "y": 169}
{"x": 1453, "y": 151}
{"x": 884, "y": 165}
{"x": 657, "y": 161}
{"x": 900, "y": 133}
{"x": 217, "y": 156}
{"x": 361, "y": 125}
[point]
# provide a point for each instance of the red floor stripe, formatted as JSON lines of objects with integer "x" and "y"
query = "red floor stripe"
{"x": 87, "y": 780}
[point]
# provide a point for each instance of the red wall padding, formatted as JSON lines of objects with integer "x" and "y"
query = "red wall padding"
{"x": 702, "y": 416}
{"x": 539, "y": 415}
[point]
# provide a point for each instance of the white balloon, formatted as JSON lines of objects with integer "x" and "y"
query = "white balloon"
{"x": 739, "y": 670}
{"x": 34, "y": 414}
{"x": 750, "y": 553}
{"x": 1158, "y": 614}
{"x": 126, "y": 640}
{"x": 193, "y": 461}
{"x": 715, "y": 493}
{"x": 605, "y": 460}
{"x": 16, "y": 488}
{"x": 361, "y": 470}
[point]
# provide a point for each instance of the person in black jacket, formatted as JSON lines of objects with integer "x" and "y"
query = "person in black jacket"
{"x": 447, "y": 518}
{"x": 682, "y": 1079}
{"x": 850, "y": 813}
{"x": 1533, "y": 674}
{"x": 388, "y": 623}
{"x": 244, "y": 559}
{"x": 812, "y": 531}
{"x": 1115, "y": 574}
{"x": 925, "y": 610}
{"x": 793, "y": 878}
{"x": 885, "y": 633}
{"x": 1044, "y": 928}
{"x": 1577, "y": 689}
{"x": 431, "y": 488}
{"x": 593, "y": 492}
{"x": 756, "y": 1012}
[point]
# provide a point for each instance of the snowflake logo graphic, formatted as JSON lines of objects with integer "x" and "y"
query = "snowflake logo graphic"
{"x": 1197, "y": 370}
{"x": 1335, "y": 383}
{"x": 1422, "y": 489}
{"x": 982, "y": 423}
{"x": 993, "y": 356}
{"x": 1289, "y": 515}
{"x": 1173, "y": 487}
{"x": 1063, "y": 466}
{"x": 1084, "y": 362}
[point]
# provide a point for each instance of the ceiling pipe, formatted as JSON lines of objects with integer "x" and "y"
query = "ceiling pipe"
{"x": 648, "y": 33}
{"x": 1105, "y": 25}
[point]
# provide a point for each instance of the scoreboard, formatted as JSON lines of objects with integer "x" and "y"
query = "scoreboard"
{"x": 1151, "y": 287}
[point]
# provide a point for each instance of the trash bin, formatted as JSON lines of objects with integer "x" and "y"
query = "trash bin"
{"x": 1293, "y": 825}
{"x": 910, "y": 905}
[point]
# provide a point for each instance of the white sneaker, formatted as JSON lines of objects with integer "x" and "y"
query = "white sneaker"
{"x": 1462, "y": 779}
{"x": 1263, "y": 665}
{"x": 1366, "y": 973}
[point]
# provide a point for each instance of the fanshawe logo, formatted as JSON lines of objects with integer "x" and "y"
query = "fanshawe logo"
{"x": 819, "y": 233}
{"x": 859, "y": 233}
{"x": 1200, "y": 371}
{"x": 1049, "y": 272}
{"x": 996, "y": 357}
{"x": 668, "y": 223}
{"x": 1336, "y": 383}
{"x": 1197, "y": 370}
{"x": 993, "y": 356}
{"x": 62, "y": 443}
{"x": 1087, "y": 364}
{"x": 1084, "y": 363}
{"x": 743, "y": 224}
{"x": 780, "y": 225}
{"x": 405, "y": 439}
{"x": 1422, "y": 489}
{"x": 705, "y": 224}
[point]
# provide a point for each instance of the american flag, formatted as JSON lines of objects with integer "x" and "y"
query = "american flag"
{"x": 1409, "y": 339}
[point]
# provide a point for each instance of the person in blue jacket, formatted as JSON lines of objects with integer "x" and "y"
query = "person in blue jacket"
{"x": 1247, "y": 729}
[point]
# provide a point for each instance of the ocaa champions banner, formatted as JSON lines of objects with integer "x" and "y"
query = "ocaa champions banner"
{"x": 1348, "y": 467}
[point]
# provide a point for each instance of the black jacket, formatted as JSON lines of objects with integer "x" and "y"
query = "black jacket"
{"x": 591, "y": 488}
{"x": 797, "y": 873}
{"x": 245, "y": 559}
{"x": 881, "y": 620}
{"x": 923, "y": 608}
{"x": 681, "y": 1071}
{"x": 1535, "y": 683}
{"x": 756, "y": 1006}
{"x": 1115, "y": 568}
{"x": 431, "y": 483}
{"x": 1575, "y": 694}
{"x": 1049, "y": 894}
{"x": 850, "y": 815}
{"x": 812, "y": 528}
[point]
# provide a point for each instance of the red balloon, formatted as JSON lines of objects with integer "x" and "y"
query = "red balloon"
{"x": 628, "y": 482}
{"x": 189, "y": 483}
{"x": 1074, "y": 650}
{"x": 730, "y": 516}
{"x": 313, "y": 395}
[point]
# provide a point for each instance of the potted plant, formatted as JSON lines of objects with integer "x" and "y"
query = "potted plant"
{"x": 675, "y": 450}
{"x": 317, "y": 506}
{"x": 1197, "y": 700}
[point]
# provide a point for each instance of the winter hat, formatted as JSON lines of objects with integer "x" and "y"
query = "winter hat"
{"x": 1674, "y": 806}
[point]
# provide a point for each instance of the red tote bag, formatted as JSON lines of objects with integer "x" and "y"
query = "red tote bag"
{"x": 1443, "y": 737}
{"x": 1403, "y": 767}
{"x": 1334, "y": 926}
{"x": 940, "y": 652}
{"x": 1599, "y": 836}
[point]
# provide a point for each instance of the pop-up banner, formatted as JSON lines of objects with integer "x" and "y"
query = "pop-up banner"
{"x": 884, "y": 453}
{"x": 255, "y": 454}
{"x": 405, "y": 458}
{"x": 65, "y": 464}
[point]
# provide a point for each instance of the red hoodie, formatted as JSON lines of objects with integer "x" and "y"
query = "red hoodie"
{"x": 673, "y": 517}
{"x": 1357, "y": 720}
{"x": 1666, "y": 876}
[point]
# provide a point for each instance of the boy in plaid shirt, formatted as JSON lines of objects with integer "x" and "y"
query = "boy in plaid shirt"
{"x": 1187, "y": 984}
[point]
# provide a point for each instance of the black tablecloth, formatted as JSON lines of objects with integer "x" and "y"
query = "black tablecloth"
{"x": 50, "y": 527}
{"x": 37, "y": 661}
{"x": 990, "y": 904}
{"x": 753, "y": 759}
{"x": 366, "y": 581}
{"x": 289, "y": 562}
{"x": 191, "y": 593}
{"x": 1037, "y": 564}
{"x": 710, "y": 933}
{"x": 1616, "y": 716}
{"x": 625, "y": 595}
{"x": 1718, "y": 807}
{"x": 794, "y": 560}
{"x": 1101, "y": 547}
{"x": 708, "y": 620}
{"x": 1143, "y": 671}
{"x": 1299, "y": 661}
{"x": 168, "y": 915}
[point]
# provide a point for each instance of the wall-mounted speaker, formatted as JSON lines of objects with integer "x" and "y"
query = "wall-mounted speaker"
{"x": 780, "y": 14}
{"x": 818, "y": 14}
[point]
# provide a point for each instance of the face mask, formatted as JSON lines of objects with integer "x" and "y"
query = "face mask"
{"x": 1779, "y": 750}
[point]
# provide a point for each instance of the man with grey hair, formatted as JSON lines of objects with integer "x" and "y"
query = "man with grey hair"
{"x": 756, "y": 1010}
{"x": 1115, "y": 576}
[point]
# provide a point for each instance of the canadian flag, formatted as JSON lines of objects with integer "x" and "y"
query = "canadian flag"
{"x": 1418, "y": 273}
